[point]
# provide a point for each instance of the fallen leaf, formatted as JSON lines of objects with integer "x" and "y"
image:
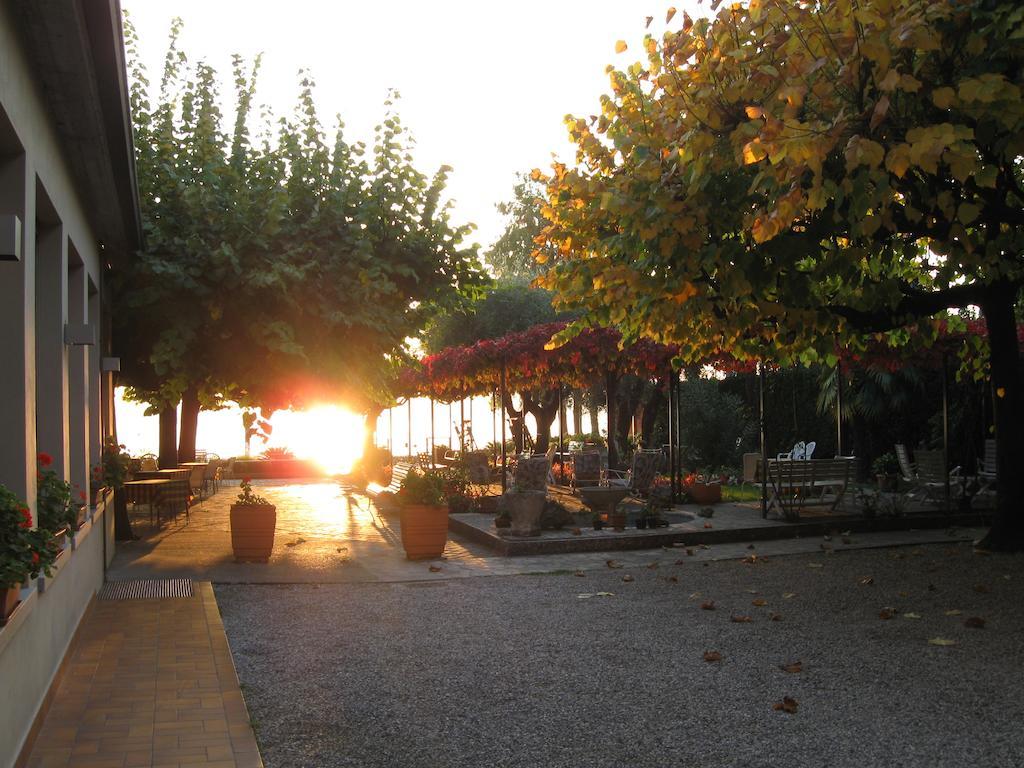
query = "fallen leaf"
{"x": 974, "y": 622}
{"x": 708, "y": 525}
{"x": 708, "y": 606}
{"x": 752, "y": 591}
{"x": 710, "y": 656}
{"x": 772, "y": 616}
{"x": 887, "y": 613}
{"x": 435, "y": 569}
{"x": 787, "y": 705}
{"x": 941, "y": 641}
{"x": 605, "y": 594}
{"x": 695, "y": 595}
{"x": 672, "y": 578}
{"x": 580, "y": 573}
{"x": 584, "y": 595}
{"x": 911, "y": 616}
{"x": 690, "y": 552}
{"x": 759, "y": 602}
{"x": 652, "y": 566}
{"x": 954, "y": 612}
{"x": 867, "y": 581}
{"x": 815, "y": 565}
{"x": 576, "y": 532}
{"x": 750, "y": 559}
{"x": 295, "y": 543}
{"x": 793, "y": 667}
{"x": 678, "y": 562}
{"x": 613, "y": 563}
{"x": 740, "y": 619}
{"x": 627, "y": 578}
{"x": 788, "y": 595}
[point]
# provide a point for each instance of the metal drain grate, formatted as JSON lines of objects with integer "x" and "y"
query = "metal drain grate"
{"x": 146, "y": 589}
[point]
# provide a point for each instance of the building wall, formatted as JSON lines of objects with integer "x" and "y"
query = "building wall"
{"x": 51, "y": 393}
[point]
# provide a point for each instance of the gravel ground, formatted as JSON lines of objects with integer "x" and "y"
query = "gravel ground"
{"x": 521, "y": 671}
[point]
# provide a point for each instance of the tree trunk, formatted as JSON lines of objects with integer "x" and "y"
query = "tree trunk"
{"x": 594, "y": 411}
{"x": 369, "y": 427}
{"x": 652, "y": 408}
{"x": 517, "y": 423}
{"x": 544, "y": 409}
{"x": 189, "y": 425}
{"x": 169, "y": 437}
{"x": 577, "y": 411}
{"x": 1007, "y": 532}
{"x": 611, "y": 388}
{"x": 122, "y": 523}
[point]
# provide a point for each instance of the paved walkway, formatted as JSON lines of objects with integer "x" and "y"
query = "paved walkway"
{"x": 149, "y": 683}
{"x": 326, "y": 536}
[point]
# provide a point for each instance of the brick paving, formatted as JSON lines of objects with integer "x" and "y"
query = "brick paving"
{"x": 149, "y": 683}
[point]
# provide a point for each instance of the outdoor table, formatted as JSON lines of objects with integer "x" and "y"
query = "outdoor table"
{"x": 604, "y": 499}
{"x": 193, "y": 463}
{"x": 145, "y": 492}
{"x": 162, "y": 474}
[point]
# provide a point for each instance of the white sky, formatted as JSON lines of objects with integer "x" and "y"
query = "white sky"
{"x": 484, "y": 85}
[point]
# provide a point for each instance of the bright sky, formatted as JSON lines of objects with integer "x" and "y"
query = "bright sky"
{"x": 484, "y": 85}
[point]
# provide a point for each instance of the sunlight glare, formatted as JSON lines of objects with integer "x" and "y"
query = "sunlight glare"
{"x": 328, "y": 434}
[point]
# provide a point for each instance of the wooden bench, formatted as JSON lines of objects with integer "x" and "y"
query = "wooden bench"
{"x": 398, "y": 473}
{"x": 795, "y": 484}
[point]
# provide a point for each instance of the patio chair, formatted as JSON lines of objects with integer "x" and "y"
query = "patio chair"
{"x": 987, "y": 467}
{"x": 799, "y": 453}
{"x": 928, "y": 476}
{"x": 809, "y": 450}
{"x": 642, "y": 473}
{"x": 197, "y": 481}
{"x": 147, "y": 463}
{"x": 586, "y": 469}
{"x": 211, "y": 476}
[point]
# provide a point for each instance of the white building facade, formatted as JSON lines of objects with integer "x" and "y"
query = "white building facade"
{"x": 68, "y": 216}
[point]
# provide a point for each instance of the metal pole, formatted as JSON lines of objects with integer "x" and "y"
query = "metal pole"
{"x": 409, "y": 435}
{"x": 450, "y": 422}
{"x": 462, "y": 425}
{"x": 839, "y": 410}
{"x": 391, "y": 431}
{"x": 764, "y": 439}
{"x": 945, "y": 429}
{"x": 504, "y": 458}
{"x": 679, "y": 440}
{"x": 561, "y": 437}
{"x": 671, "y": 422}
{"x": 433, "y": 441}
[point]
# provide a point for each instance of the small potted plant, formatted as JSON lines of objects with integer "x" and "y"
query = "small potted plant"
{"x": 111, "y": 472}
{"x": 699, "y": 491}
{"x": 253, "y": 523}
{"x": 886, "y": 469}
{"x": 423, "y": 506}
{"x": 58, "y": 515}
{"x": 24, "y": 551}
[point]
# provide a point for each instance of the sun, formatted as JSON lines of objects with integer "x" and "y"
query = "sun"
{"x": 330, "y": 435}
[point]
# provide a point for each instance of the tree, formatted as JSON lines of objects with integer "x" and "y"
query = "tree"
{"x": 278, "y": 272}
{"x": 511, "y": 256}
{"x": 789, "y": 178}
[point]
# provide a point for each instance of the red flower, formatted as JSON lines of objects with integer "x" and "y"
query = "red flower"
{"x": 35, "y": 558}
{"x": 45, "y": 459}
{"x": 247, "y": 480}
{"x": 81, "y": 495}
{"x": 27, "y": 518}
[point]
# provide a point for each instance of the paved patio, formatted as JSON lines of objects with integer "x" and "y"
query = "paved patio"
{"x": 325, "y": 534}
{"x": 149, "y": 683}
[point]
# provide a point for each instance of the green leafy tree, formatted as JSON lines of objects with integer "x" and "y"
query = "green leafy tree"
{"x": 791, "y": 176}
{"x": 278, "y": 271}
{"x": 511, "y": 257}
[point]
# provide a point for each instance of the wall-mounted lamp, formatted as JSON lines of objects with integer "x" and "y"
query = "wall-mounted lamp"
{"x": 77, "y": 335}
{"x": 10, "y": 237}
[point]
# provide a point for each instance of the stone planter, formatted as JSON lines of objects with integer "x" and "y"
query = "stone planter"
{"x": 424, "y": 530}
{"x": 525, "y": 509}
{"x": 252, "y": 532}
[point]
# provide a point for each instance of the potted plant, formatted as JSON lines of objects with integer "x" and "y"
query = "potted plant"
{"x": 112, "y": 470}
{"x": 253, "y": 522}
{"x": 699, "y": 491}
{"x": 598, "y": 522}
{"x": 24, "y": 551}
{"x": 423, "y": 508}
{"x": 57, "y": 514}
{"x": 886, "y": 469}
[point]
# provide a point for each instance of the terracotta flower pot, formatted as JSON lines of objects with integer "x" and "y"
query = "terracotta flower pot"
{"x": 9, "y": 599}
{"x": 700, "y": 493}
{"x": 424, "y": 530}
{"x": 252, "y": 532}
